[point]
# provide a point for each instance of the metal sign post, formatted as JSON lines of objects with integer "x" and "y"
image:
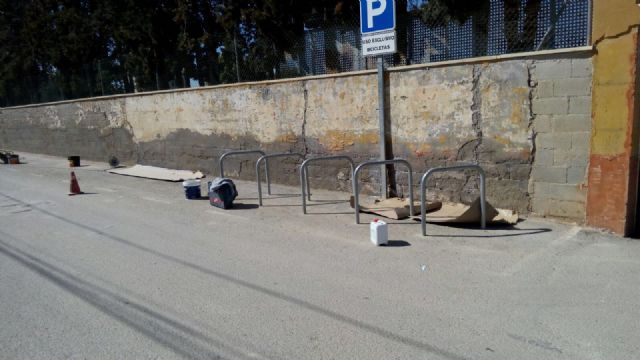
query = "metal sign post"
{"x": 383, "y": 129}
{"x": 377, "y": 26}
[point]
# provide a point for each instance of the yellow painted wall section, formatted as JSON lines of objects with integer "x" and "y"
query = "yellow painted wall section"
{"x": 612, "y": 17}
{"x": 615, "y": 36}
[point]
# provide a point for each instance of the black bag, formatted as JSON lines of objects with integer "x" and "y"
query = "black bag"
{"x": 222, "y": 192}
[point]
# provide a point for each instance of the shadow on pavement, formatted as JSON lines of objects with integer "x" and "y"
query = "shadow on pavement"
{"x": 373, "y": 329}
{"x": 397, "y": 243}
{"x": 243, "y": 206}
{"x": 180, "y": 338}
{"x": 509, "y": 228}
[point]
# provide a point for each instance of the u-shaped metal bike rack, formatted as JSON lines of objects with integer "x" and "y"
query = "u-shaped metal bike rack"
{"x": 423, "y": 192}
{"x": 245, "y": 152}
{"x": 304, "y": 175}
{"x": 356, "y": 187}
{"x": 266, "y": 158}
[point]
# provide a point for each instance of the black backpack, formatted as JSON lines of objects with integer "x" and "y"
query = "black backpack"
{"x": 222, "y": 192}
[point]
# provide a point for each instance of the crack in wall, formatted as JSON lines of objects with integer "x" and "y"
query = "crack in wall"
{"x": 476, "y": 108}
{"x": 127, "y": 125}
{"x": 476, "y": 122}
{"x": 616, "y": 36}
{"x": 532, "y": 83}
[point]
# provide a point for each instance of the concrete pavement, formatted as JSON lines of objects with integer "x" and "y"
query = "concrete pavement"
{"x": 133, "y": 270}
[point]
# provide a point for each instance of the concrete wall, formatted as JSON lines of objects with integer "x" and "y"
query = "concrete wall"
{"x": 517, "y": 117}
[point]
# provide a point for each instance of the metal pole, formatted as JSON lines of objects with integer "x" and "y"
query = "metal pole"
{"x": 241, "y": 152}
{"x": 266, "y": 160}
{"x": 259, "y": 182}
{"x": 356, "y": 187}
{"x": 235, "y": 48}
{"x": 304, "y": 175}
{"x": 302, "y": 189}
{"x": 423, "y": 193}
{"x": 383, "y": 130}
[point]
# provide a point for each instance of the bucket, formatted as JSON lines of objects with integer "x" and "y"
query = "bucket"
{"x": 192, "y": 189}
{"x": 14, "y": 159}
{"x": 74, "y": 161}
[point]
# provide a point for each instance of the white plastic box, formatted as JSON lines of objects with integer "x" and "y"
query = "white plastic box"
{"x": 379, "y": 232}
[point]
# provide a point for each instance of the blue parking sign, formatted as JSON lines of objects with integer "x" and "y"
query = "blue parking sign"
{"x": 377, "y": 15}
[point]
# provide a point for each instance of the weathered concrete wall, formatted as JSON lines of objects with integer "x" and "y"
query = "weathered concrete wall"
{"x": 472, "y": 113}
{"x": 94, "y": 129}
{"x": 441, "y": 115}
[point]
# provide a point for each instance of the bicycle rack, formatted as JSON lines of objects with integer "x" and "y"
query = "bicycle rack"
{"x": 356, "y": 186}
{"x": 304, "y": 175}
{"x": 244, "y": 152}
{"x": 265, "y": 158}
{"x": 423, "y": 192}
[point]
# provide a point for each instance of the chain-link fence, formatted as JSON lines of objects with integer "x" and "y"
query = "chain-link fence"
{"x": 427, "y": 31}
{"x": 434, "y": 34}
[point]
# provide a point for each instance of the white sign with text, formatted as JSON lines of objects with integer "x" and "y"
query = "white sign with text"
{"x": 379, "y": 43}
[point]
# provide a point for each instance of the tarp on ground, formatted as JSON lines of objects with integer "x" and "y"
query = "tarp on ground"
{"x": 156, "y": 173}
{"x": 437, "y": 212}
{"x": 454, "y": 213}
{"x": 394, "y": 208}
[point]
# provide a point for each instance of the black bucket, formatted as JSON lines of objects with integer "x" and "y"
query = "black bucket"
{"x": 192, "y": 189}
{"x": 74, "y": 161}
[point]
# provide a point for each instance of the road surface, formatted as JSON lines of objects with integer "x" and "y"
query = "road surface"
{"x": 132, "y": 270}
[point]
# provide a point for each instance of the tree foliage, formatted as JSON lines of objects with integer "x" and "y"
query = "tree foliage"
{"x": 63, "y": 49}
{"x": 515, "y": 12}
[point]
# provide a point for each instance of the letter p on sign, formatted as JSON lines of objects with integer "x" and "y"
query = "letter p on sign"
{"x": 373, "y": 12}
{"x": 377, "y": 15}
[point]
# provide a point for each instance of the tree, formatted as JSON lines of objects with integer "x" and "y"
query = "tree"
{"x": 442, "y": 12}
{"x": 525, "y": 40}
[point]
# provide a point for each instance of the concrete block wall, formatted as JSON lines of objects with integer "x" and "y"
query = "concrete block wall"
{"x": 525, "y": 120}
{"x": 561, "y": 107}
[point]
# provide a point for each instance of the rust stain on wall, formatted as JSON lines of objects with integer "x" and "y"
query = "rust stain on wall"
{"x": 608, "y": 192}
{"x": 336, "y": 140}
{"x": 289, "y": 137}
{"x": 420, "y": 150}
{"x": 521, "y": 98}
{"x": 502, "y": 140}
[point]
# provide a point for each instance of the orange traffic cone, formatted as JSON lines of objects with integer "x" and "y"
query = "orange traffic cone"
{"x": 75, "y": 187}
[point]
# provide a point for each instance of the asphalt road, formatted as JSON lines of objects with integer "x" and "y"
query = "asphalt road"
{"x": 132, "y": 270}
